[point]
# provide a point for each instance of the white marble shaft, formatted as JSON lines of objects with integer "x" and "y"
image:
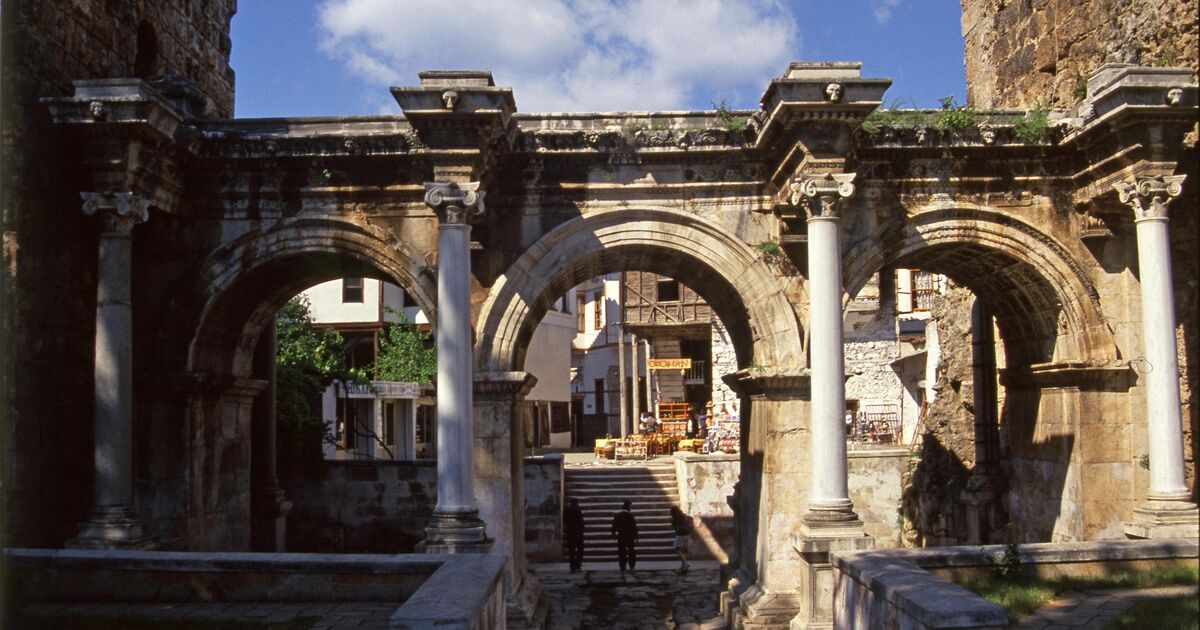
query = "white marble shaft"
{"x": 1149, "y": 198}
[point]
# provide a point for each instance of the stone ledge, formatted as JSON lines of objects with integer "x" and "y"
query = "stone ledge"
{"x": 871, "y": 582}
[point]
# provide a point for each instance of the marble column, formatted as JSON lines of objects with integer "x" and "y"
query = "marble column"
{"x": 622, "y": 395}
{"x": 269, "y": 504}
{"x": 1169, "y": 509}
{"x": 829, "y": 501}
{"x": 455, "y": 526}
{"x": 114, "y": 523}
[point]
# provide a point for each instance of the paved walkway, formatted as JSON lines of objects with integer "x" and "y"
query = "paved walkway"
{"x": 1093, "y": 609}
{"x": 653, "y": 597}
{"x": 209, "y": 616}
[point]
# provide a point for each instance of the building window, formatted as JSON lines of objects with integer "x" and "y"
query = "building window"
{"x": 579, "y": 313}
{"x": 352, "y": 290}
{"x": 922, "y": 291}
{"x": 668, "y": 290}
{"x": 598, "y": 318}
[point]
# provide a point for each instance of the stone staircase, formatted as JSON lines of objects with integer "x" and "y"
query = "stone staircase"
{"x": 602, "y": 489}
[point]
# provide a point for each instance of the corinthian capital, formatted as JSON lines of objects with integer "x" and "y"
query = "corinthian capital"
{"x": 119, "y": 211}
{"x": 1149, "y": 196}
{"x": 821, "y": 195}
{"x": 455, "y": 204}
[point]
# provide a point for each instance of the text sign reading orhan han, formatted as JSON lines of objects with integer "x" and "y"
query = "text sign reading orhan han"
{"x": 669, "y": 364}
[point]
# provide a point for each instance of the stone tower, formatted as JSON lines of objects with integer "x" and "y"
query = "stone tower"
{"x": 1025, "y": 53}
{"x": 48, "y": 293}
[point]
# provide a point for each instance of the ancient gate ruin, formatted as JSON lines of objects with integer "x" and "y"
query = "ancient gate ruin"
{"x": 486, "y": 215}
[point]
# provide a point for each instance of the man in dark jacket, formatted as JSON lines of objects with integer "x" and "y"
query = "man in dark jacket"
{"x": 624, "y": 527}
{"x": 573, "y": 532}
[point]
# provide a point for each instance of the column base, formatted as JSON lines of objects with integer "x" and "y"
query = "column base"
{"x": 112, "y": 527}
{"x": 1164, "y": 519}
{"x": 269, "y": 508}
{"x": 455, "y": 532}
{"x": 816, "y": 581}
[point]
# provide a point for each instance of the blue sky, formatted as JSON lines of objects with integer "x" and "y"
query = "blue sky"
{"x": 338, "y": 57}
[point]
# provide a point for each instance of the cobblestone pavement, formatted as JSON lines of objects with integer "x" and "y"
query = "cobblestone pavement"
{"x": 655, "y": 596}
{"x": 209, "y": 616}
{"x": 1093, "y": 609}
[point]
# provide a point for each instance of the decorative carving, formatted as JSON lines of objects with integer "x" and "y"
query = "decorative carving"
{"x": 119, "y": 211}
{"x": 1093, "y": 227}
{"x": 450, "y": 98}
{"x": 1174, "y": 96}
{"x": 987, "y": 133}
{"x": 97, "y": 111}
{"x": 456, "y": 204}
{"x": 1149, "y": 196}
{"x": 833, "y": 92}
{"x": 821, "y": 194}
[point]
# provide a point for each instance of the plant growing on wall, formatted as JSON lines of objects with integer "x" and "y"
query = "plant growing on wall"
{"x": 406, "y": 353}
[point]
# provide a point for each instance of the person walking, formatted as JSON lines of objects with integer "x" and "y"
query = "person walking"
{"x": 573, "y": 527}
{"x": 683, "y": 526}
{"x": 624, "y": 527}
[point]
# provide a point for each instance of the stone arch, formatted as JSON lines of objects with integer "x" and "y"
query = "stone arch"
{"x": 1045, "y": 305}
{"x": 240, "y": 285}
{"x": 748, "y": 298}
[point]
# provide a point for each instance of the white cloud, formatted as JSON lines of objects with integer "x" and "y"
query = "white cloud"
{"x": 882, "y": 9}
{"x": 561, "y": 55}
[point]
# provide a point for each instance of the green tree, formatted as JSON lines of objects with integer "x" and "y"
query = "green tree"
{"x": 307, "y": 360}
{"x": 406, "y": 353}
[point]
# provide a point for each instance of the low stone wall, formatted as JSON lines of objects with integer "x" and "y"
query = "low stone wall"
{"x": 909, "y": 588}
{"x": 543, "y": 508}
{"x": 705, "y": 483}
{"x": 457, "y": 591}
{"x": 370, "y": 506}
{"x": 876, "y": 481}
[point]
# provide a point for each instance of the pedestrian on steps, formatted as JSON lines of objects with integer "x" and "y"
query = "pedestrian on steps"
{"x": 624, "y": 527}
{"x": 573, "y": 531}
{"x": 683, "y": 526}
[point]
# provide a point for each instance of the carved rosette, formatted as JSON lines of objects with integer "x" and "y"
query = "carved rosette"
{"x": 454, "y": 203}
{"x": 119, "y": 211}
{"x": 821, "y": 195}
{"x": 1150, "y": 196}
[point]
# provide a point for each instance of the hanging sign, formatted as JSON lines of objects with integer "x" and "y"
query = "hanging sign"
{"x": 669, "y": 364}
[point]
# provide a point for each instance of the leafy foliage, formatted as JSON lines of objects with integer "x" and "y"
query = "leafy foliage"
{"x": 406, "y": 354}
{"x": 307, "y": 360}
{"x": 1034, "y": 128}
{"x": 954, "y": 116}
{"x": 727, "y": 118}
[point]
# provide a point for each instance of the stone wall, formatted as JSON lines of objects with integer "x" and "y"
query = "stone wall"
{"x": 47, "y": 299}
{"x": 1023, "y": 53}
{"x": 362, "y": 507}
{"x": 724, "y": 362}
{"x": 932, "y": 512}
{"x": 543, "y": 508}
{"x": 705, "y": 485}
{"x": 875, "y": 477}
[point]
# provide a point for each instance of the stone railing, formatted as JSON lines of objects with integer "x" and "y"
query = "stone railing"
{"x": 909, "y": 588}
{"x": 459, "y": 591}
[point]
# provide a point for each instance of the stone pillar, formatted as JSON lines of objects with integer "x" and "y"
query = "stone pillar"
{"x": 829, "y": 501}
{"x": 1168, "y": 511}
{"x": 621, "y": 394}
{"x": 984, "y": 484}
{"x": 637, "y": 393}
{"x": 268, "y": 503}
{"x": 455, "y": 526}
{"x": 830, "y": 523}
{"x": 114, "y": 523}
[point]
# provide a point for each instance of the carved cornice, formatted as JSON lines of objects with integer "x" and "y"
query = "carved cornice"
{"x": 504, "y": 386}
{"x": 455, "y": 203}
{"x": 757, "y": 382}
{"x": 1068, "y": 376}
{"x": 821, "y": 195}
{"x": 1150, "y": 196}
{"x": 119, "y": 211}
